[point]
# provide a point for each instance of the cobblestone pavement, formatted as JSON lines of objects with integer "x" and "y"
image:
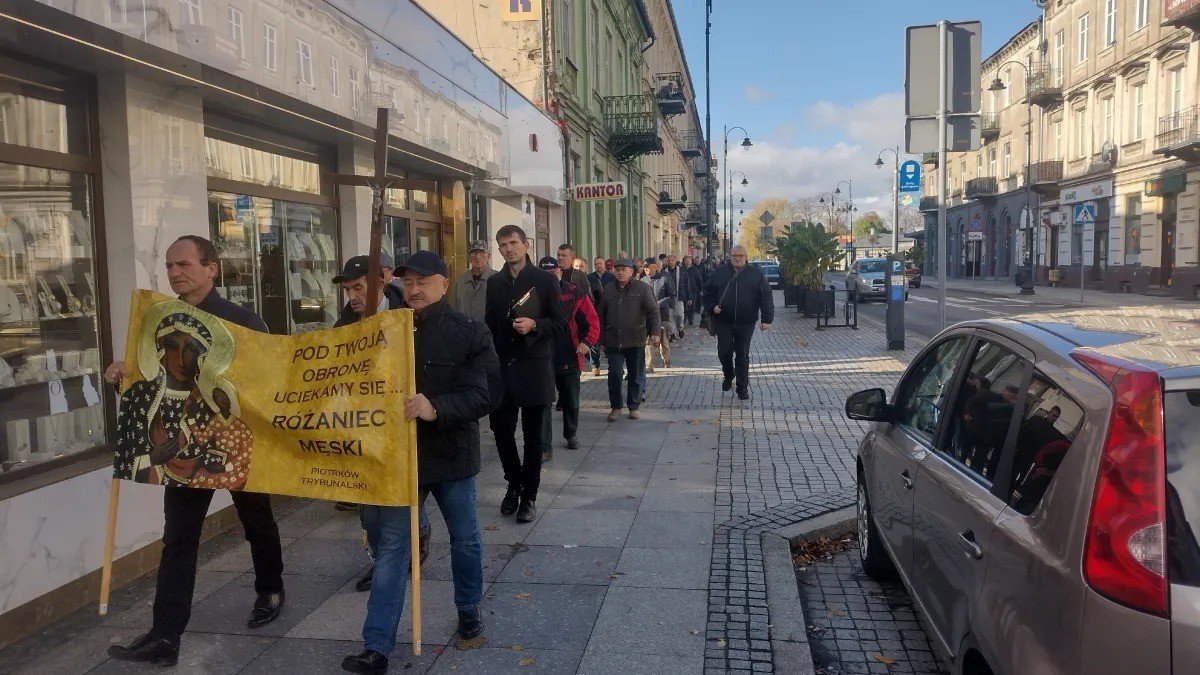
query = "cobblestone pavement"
{"x": 858, "y": 625}
{"x": 646, "y": 556}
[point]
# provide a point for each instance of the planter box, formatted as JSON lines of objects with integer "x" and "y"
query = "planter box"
{"x": 812, "y": 301}
{"x": 792, "y": 296}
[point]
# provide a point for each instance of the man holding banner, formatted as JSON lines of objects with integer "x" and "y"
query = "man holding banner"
{"x": 457, "y": 379}
{"x": 151, "y": 449}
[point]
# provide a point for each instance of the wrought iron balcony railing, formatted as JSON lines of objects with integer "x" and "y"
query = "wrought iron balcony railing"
{"x": 929, "y": 204}
{"x": 1178, "y": 133}
{"x": 672, "y": 193}
{"x": 691, "y": 145}
{"x": 1045, "y": 85}
{"x": 633, "y": 126}
{"x": 989, "y": 126}
{"x": 981, "y": 188}
{"x": 669, "y": 91}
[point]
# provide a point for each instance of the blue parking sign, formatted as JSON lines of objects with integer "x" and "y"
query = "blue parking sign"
{"x": 910, "y": 176}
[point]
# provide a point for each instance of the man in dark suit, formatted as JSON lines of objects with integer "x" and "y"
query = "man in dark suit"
{"x": 525, "y": 316}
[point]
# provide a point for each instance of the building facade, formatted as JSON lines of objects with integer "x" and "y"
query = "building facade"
{"x": 127, "y": 123}
{"x": 614, "y": 74}
{"x": 1114, "y": 138}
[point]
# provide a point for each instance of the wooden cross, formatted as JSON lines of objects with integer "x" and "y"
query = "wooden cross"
{"x": 379, "y": 182}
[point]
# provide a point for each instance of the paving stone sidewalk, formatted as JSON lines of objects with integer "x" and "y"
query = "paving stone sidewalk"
{"x": 646, "y": 556}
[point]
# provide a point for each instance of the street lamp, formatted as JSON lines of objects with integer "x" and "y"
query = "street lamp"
{"x": 837, "y": 190}
{"x": 728, "y": 176}
{"x": 997, "y": 85}
{"x": 895, "y": 196}
{"x": 728, "y": 219}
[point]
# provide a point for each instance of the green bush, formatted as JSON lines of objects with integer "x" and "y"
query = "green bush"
{"x": 805, "y": 252}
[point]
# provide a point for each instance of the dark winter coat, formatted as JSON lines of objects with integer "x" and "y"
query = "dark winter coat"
{"x": 526, "y": 360}
{"x": 685, "y": 284}
{"x": 747, "y": 300}
{"x": 582, "y": 324}
{"x": 628, "y": 315}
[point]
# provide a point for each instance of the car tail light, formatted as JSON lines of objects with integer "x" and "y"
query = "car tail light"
{"x": 1124, "y": 557}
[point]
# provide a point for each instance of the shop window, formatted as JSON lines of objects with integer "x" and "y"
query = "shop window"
{"x": 50, "y": 387}
{"x": 1133, "y": 230}
{"x": 250, "y": 165}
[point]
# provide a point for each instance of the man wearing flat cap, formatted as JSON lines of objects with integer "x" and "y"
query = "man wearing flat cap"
{"x": 457, "y": 372}
{"x": 470, "y": 288}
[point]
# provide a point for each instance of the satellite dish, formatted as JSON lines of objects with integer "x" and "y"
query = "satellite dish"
{"x": 1108, "y": 153}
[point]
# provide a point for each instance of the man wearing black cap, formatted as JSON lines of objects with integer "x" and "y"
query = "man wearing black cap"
{"x": 525, "y": 316}
{"x": 628, "y": 314}
{"x": 570, "y": 348}
{"x": 456, "y": 374}
{"x": 470, "y": 288}
{"x": 356, "y": 268}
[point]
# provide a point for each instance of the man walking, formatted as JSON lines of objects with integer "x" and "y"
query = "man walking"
{"x": 697, "y": 282}
{"x": 681, "y": 280}
{"x": 470, "y": 288}
{"x": 455, "y": 361}
{"x": 525, "y": 316}
{"x": 738, "y": 296}
{"x": 599, "y": 277}
{"x": 192, "y": 264}
{"x": 570, "y": 348}
{"x": 628, "y": 316}
{"x": 664, "y": 297}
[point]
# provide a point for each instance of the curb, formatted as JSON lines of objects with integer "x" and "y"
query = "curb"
{"x": 789, "y": 627}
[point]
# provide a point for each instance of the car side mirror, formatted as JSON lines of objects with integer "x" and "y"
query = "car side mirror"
{"x": 869, "y": 405}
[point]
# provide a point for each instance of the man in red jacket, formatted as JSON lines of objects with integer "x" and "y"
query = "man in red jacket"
{"x": 570, "y": 350}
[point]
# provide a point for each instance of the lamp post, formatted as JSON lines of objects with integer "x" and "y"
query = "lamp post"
{"x": 997, "y": 85}
{"x": 728, "y": 220}
{"x": 725, "y": 164}
{"x": 710, "y": 199}
{"x": 849, "y": 210}
{"x": 895, "y": 196}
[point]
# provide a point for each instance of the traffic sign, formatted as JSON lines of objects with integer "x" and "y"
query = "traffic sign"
{"x": 1085, "y": 213}
{"x": 910, "y": 176}
{"x": 975, "y": 229}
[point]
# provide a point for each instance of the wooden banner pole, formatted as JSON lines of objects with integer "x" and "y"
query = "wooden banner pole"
{"x": 109, "y": 538}
{"x": 410, "y": 387}
{"x": 415, "y": 556}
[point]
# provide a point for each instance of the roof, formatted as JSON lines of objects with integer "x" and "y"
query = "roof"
{"x": 1162, "y": 337}
{"x": 1019, "y": 38}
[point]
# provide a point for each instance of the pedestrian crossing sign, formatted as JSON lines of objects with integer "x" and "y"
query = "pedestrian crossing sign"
{"x": 1085, "y": 213}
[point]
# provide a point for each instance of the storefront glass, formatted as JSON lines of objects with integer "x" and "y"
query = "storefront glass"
{"x": 1133, "y": 230}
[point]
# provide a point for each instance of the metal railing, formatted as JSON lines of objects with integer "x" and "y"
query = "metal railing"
{"x": 989, "y": 125}
{"x": 669, "y": 91}
{"x": 929, "y": 203}
{"x": 930, "y": 158}
{"x": 691, "y": 144}
{"x": 1044, "y": 172}
{"x": 1045, "y": 84}
{"x": 1178, "y": 129}
{"x": 633, "y": 125}
{"x": 841, "y": 305}
{"x": 981, "y": 187}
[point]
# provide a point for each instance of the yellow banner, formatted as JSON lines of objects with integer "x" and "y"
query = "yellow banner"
{"x": 209, "y": 404}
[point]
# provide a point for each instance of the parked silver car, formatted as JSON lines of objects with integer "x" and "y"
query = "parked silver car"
{"x": 1036, "y": 485}
{"x": 867, "y": 279}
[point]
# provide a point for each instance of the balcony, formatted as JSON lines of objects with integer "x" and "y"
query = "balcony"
{"x": 698, "y": 167}
{"x": 1179, "y": 135}
{"x": 693, "y": 216}
{"x": 633, "y": 126}
{"x": 929, "y": 204}
{"x": 989, "y": 127}
{"x": 1046, "y": 86}
{"x": 981, "y": 188}
{"x": 672, "y": 193}
{"x": 1182, "y": 13}
{"x": 930, "y": 158}
{"x": 669, "y": 91}
{"x": 1044, "y": 177}
{"x": 691, "y": 145}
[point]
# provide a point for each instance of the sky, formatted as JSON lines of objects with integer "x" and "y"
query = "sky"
{"x": 819, "y": 85}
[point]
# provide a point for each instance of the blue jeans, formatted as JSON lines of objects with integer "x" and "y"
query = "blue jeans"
{"x": 388, "y": 536}
{"x": 618, "y": 360}
{"x": 422, "y": 523}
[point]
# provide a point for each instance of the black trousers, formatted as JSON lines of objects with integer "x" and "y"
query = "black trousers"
{"x": 733, "y": 348}
{"x": 689, "y": 311}
{"x": 185, "y": 509}
{"x": 567, "y": 383}
{"x": 528, "y": 474}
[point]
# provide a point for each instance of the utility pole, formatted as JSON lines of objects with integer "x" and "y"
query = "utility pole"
{"x": 710, "y": 202}
{"x": 896, "y": 205}
{"x": 943, "y": 188}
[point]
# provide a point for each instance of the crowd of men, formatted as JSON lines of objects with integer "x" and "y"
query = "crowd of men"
{"x": 504, "y": 344}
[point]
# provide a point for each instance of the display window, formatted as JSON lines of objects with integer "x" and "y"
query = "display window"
{"x": 51, "y": 406}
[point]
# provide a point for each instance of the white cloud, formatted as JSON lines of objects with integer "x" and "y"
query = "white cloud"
{"x": 756, "y": 94}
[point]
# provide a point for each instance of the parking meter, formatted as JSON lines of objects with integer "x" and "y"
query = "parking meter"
{"x": 895, "y": 301}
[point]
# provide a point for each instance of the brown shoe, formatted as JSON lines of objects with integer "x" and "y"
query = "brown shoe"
{"x": 634, "y": 414}
{"x": 596, "y": 372}
{"x": 612, "y": 416}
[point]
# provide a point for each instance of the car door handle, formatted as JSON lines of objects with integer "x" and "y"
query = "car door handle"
{"x": 972, "y": 548}
{"x": 908, "y": 481}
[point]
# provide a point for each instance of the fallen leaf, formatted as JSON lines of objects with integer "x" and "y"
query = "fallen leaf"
{"x": 616, "y": 575}
{"x": 521, "y": 596}
{"x": 527, "y": 662}
{"x": 437, "y": 650}
{"x": 518, "y": 547}
{"x": 528, "y": 572}
{"x": 491, "y": 528}
{"x": 722, "y": 642}
{"x": 694, "y": 631}
{"x": 886, "y": 660}
{"x": 570, "y": 545}
{"x": 518, "y": 648}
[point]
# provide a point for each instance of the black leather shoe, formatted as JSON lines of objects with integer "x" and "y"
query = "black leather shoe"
{"x": 547, "y": 454}
{"x": 266, "y": 609}
{"x": 509, "y": 505}
{"x": 572, "y": 443}
{"x": 527, "y": 512}
{"x": 727, "y": 384}
{"x": 744, "y": 394}
{"x": 366, "y": 662}
{"x": 364, "y": 584}
{"x": 423, "y": 545}
{"x": 147, "y": 649}
{"x": 470, "y": 625}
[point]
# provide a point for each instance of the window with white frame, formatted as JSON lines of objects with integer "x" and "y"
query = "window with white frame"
{"x": 1008, "y": 159}
{"x": 1141, "y": 14}
{"x": 354, "y": 104}
{"x": 962, "y": 171}
{"x": 1060, "y": 55}
{"x": 979, "y": 165}
{"x": 190, "y": 10}
{"x": 236, "y": 32}
{"x": 1082, "y": 53}
{"x": 1137, "y": 110}
{"x": 1081, "y": 132}
{"x": 1106, "y": 128}
{"x": 992, "y": 162}
{"x": 304, "y": 69}
{"x": 270, "y": 38}
{"x": 1008, "y": 89}
{"x": 1110, "y": 22}
{"x": 1175, "y": 104}
{"x": 1058, "y": 149}
{"x": 335, "y": 77}
{"x": 568, "y": 29}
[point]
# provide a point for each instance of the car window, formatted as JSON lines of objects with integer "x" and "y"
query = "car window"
{"x": 922, "y": 394}
{"x": 983, "y": 410}
{"x": 871, "y": 266}
{"x": 1181, "y": 419}
{"x": 1051, "y": 423}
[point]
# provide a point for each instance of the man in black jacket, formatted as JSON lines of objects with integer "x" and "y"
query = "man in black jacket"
{"x": 456, "y": 371}
{"x": 192, "y": 264}
{"x": 628, "y": 315}
{"x": 738, "y": 296}
{"x": 598, "y": 278}
{"x": 525, "y": 316}
{"x": 692, "y": 304}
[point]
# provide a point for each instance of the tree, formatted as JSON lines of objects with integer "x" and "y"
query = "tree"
{"x": 871, "y": 223}
{"x": 750, "y": 232}
{"x": 806, "y": 251}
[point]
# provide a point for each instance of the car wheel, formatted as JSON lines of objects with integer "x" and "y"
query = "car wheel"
{"x": 875, "y": 560}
